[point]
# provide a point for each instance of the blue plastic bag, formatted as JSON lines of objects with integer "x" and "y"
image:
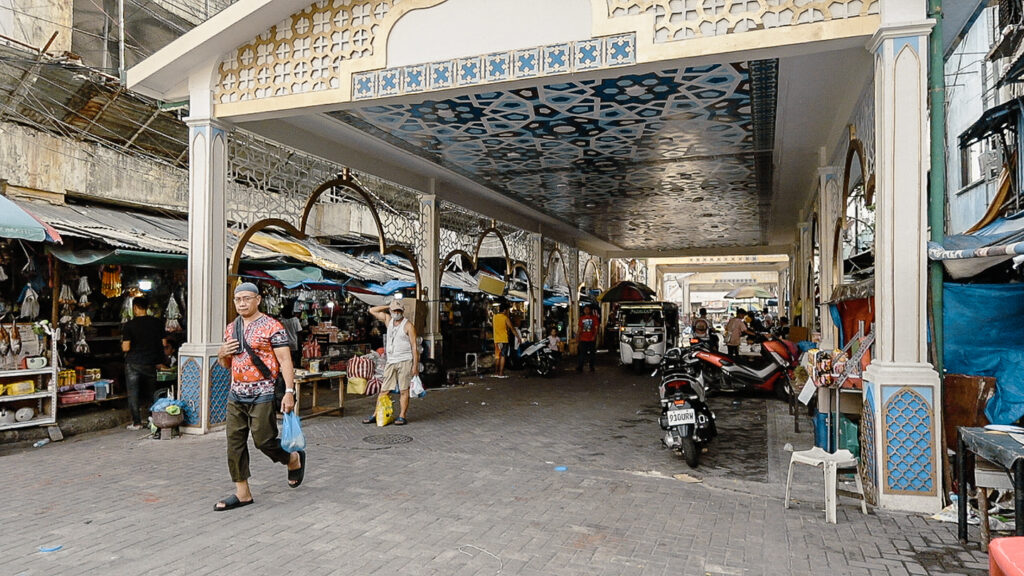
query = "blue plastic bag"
{"x": 292, "y": 439}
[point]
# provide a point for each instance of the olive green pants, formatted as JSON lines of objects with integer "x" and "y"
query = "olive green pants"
{"x": 259, "y": 419}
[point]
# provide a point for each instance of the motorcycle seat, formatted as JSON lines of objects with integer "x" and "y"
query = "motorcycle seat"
{"x": 755, "y": 362}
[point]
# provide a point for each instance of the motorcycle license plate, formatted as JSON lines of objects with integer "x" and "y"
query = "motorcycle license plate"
{"x": 677, "y": 417}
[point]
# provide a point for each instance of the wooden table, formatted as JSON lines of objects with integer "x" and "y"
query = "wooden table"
{"x": 1001, "y": 450}
{"x": 313, "y": 381}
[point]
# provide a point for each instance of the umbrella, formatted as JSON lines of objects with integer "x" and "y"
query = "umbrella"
{"x": 17, "y": 223}
{"x": 744, "y": 292}
{"x": 627, "y": 292}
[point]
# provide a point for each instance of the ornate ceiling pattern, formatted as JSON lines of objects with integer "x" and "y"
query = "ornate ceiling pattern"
{"x": 675, "y": 20}
{"x": 658, "y": 160}
{"x": 304, "y": 52}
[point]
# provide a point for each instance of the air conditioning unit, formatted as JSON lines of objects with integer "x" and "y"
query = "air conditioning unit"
{"x": 991, "y": 162}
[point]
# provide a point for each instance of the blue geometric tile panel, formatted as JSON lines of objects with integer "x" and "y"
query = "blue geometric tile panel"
{"x": 909, "y": 458}
{"x": 526, "y": 63}
{"x": 557, "y": 58}
{"x": 389, "y": 82}
{"x": 497, "y": 66}
{"x": 468, "y": 71}
{"x": 414, "y": 78}
{"x": 442, "y": 75}
{"x": 620, "y": 50}
{"x": 588, "y": 54}
{"x": 364, "y": 85}
{"x": 190, "y": 390}
{"x": 869, "y": 459}
{"x": 220, "y": 385}
{"x": 576, "y": 56}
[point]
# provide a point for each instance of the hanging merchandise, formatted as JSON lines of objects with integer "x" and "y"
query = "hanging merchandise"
{"x": 29, "y": 303}
{"x": 173, "y": 313}
{"x": 126, "y": 309}
{"x": 272, "y": 304}
{"x": 3, "y": 274}
{"x": 81, "y": 346}
{"x": 5, "y": 341}
{"x": 29, "y": 270}
{"x": 15, "y": 339}
{"x": 110, "y": 281}
{"x": 66, "y": 295}
{"x": 83, "y": 286}
{"x": 83, "y": 300}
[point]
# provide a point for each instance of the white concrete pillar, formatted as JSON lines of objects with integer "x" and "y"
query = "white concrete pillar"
{"x": 203, "y": 383}
{"x": 687, "y": 306}
{"x": 574, "y": 297}
{"x": 828, "y": 214}
{"x": 806, "y": 262}
{"x": 430, "y": 271}
{"x": 536, "y": 270}
{"x": 902, "y": 393}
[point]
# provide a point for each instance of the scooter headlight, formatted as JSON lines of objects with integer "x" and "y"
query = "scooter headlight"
{"x": 624, "y": 337}
{"x": 654, "y": 338}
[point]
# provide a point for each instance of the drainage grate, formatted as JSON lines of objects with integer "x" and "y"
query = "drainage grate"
{"x": 388, "y": 439}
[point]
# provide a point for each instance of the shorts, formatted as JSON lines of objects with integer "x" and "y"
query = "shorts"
{"x": 501, "y": 349}
{"x": 399, "y": 373}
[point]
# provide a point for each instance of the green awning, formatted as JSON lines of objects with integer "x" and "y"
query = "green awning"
{"x": 297, "y": 275}
{"x": 118, "y": 256}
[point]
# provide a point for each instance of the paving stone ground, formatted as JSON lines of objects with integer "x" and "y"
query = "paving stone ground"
{"x": 469, "y": 487}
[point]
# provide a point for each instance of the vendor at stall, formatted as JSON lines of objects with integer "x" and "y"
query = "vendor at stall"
{"x": 142, "y": 343}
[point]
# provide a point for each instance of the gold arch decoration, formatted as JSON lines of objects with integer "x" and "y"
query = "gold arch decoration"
{"x": 348, "y": 182}
{"x": 856, "y": 148}
{"x": 344, "y": 181}
{"x": 243, "y": 240}
{"x": 520, "y": 265}
{"x": 597, "y": 275}
{"x": 466, "y": 255}
{"x": 547, "y": 267}
{"x": 504, "y": 248}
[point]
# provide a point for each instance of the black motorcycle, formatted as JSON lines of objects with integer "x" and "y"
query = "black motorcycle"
{"x": 688, "y": 422}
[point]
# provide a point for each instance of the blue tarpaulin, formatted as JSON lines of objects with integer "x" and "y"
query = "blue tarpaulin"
{"x": 984, "y": 336}
{"x": 388, "y": 288}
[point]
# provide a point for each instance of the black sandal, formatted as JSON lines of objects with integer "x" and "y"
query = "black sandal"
{"x": 297, "y": 474}
{"x": 230, "y": 503}
{"x": 370, "y": 420}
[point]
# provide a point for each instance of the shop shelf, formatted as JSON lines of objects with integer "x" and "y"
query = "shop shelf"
{"x": 6, "y": 373}
{"x": 41, "y": 394}
{"x": 37, "y": 421}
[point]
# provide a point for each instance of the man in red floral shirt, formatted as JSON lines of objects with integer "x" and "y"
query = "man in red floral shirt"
{"x": 251, "y": 399}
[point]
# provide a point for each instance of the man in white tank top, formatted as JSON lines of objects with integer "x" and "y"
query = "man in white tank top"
{"x": 403, "y": 355}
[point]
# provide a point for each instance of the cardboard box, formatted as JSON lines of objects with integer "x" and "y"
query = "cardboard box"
{"x": 490, "y": 285}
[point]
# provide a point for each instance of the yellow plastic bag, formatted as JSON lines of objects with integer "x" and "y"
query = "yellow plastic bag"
{"x": 385, "y": 412}
{"x": 356, "y": 386}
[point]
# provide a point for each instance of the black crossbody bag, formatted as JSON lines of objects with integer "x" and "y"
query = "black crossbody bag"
{"x": 279, "y": 384}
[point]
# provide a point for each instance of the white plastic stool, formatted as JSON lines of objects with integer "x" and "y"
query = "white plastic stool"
{"x": 830, "y": 464}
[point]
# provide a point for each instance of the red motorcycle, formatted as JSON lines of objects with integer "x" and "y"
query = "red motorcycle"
{"x": 772, "y": 371}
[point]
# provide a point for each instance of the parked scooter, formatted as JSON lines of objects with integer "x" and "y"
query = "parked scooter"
{"x": 688, "y": 422}
{"x": 537, "y": 358}
{"x": 772, "y": 371}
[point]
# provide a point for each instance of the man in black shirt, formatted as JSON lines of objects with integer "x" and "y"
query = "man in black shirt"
{"x": 142, "y": 343}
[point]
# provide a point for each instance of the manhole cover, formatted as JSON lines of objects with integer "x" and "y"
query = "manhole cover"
{"x": 388, "y": 439}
